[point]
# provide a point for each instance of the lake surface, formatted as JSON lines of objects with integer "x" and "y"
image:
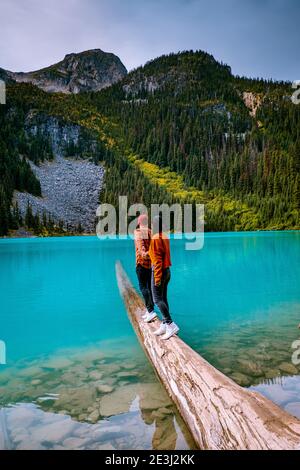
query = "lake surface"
{"x": 76, "y": 376}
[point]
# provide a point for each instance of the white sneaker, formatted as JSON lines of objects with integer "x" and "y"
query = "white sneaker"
{"x": 145, "y": 315}
{"x": 171, "y": 330}
{"x": 161, "y": 330}
{"x": 149, "y": 317}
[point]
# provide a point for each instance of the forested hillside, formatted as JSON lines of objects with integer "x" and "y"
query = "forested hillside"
{"x": 180, "y": 129}
{"x": 188, "y": 113}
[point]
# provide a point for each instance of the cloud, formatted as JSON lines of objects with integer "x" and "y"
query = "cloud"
{"x": 257, "y": 37}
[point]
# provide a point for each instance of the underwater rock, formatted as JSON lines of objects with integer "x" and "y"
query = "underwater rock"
{"x": 128, "y": 374}
{"x": 108, "y": 369}
{"x": 118, "y": 401}
{"x": 240, "y": 379}
{"x": 288, "y": 368}
{"x": 5, "y": 377}
{"x": 129, "y": 366}
{"x": 110, "y": 381}
{"x": 36, "y": 382}
{"x": 249, "y": 368}
{"x": 31, "y": 371}
{"x": 82, "y": 417}
{"x": 165, "y": 435}
{"x": 271, "y": 373}
{"x": 161, "y": 413}
{"x": 76, "y": 398}
{"x": 261, "y": 356}
{"x": 58, "y": 363}
{"x": 103, "y": 388}
{"x": 94, "y": 416}
{"x": 70, "y": 378}
{"x": 153, "y": 396}
{"x": 95, "y": 375}
{"x": 90, "y": 355}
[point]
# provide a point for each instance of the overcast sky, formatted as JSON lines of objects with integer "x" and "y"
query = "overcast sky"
{"x": 257, "y": 38}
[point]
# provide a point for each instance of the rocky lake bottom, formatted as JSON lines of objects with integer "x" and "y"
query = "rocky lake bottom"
{"x": 108, "y": 396}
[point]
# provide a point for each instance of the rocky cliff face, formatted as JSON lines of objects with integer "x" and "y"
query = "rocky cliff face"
{"x": 70, "y": 186}
{"x": 87, "y": 71}
{"x": 252, "y": 101}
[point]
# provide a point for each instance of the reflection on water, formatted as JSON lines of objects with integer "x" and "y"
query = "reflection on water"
{"x": 28, "y": 427}
{"x": 100, "y": 398}
{"x": 284, "y": 391}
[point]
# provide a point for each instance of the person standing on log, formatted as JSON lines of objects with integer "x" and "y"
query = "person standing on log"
{"x": 142, "y": 238}
{"x": 159, "y": 253}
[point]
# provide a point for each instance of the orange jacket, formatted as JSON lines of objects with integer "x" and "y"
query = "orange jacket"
{"x": 159, "y": 253}
{"x": 142, "y": 238}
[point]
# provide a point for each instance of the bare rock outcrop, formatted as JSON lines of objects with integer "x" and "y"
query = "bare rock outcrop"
{"x": 91, "y": 70}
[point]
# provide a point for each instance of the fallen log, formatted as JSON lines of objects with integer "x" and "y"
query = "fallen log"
{"x": 218, "y": 412}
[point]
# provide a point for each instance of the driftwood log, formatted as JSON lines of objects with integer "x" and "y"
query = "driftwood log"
{"x": 218, "y": 412}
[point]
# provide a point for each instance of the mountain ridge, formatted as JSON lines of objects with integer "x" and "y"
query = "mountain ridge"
{"x": 90, "y": 70}
{"x": 201, "y": 136}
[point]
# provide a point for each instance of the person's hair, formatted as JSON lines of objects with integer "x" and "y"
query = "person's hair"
{"x": 142, "y": 220}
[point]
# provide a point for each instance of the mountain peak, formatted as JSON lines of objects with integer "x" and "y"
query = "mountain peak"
{"x": 90, "y": 70}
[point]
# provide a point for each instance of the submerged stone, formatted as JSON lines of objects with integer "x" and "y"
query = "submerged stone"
{"x": 128, "y": 373}
{"x": 153, "y": 396}
{"x": 288, "y": 368}
{"x": 103, "y": 388}
{"x": 118, "y": 401}
{"x": 95, "y": 375}
{"x": 76, "y": 398}
{"x": 248, "y": 367}
{"x": 240, "y": 379}
{"x": 36, "y": 382}
{"x": 111, "y": 368}
{"x": 31, "y": 371}
{"x": 129, "y": 366}
{"x": 94, "y": 416}
{"x": 271, "y": 373}
{"x": 58, "y": 363}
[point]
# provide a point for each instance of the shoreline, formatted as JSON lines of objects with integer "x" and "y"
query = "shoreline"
{"x": 30, "y": 235}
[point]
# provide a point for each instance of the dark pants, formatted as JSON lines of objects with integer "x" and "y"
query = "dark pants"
{"x": 144, "y": 278}
{"x": 159, "y": 294}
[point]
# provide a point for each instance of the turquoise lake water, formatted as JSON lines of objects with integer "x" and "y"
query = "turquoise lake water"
{"x": 237, "y": 302}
